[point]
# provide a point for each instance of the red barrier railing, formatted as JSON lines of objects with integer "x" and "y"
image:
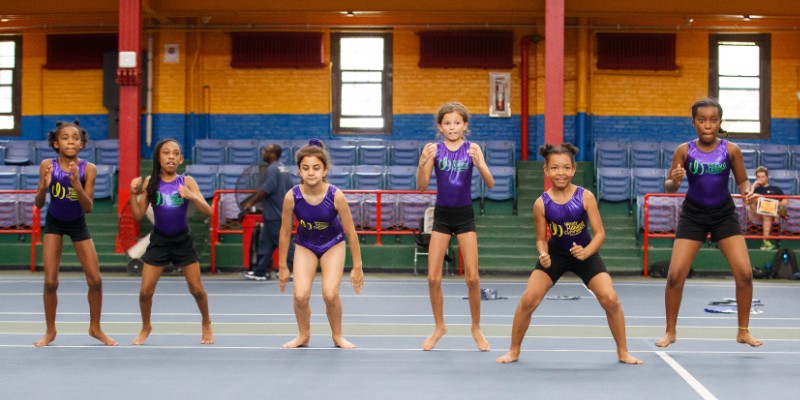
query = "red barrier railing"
{"x": 375, "y": 212}
{"x": 18, "y": 215}
{"x": 662, "y": 210}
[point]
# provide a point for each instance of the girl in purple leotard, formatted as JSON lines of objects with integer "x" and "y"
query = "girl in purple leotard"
{"x": 708, "y": 209}
{"x": 171, "y": 240}
{"x": 324, "y": 221}
{"x": 568, "y": 211}
{"x": 70, "y": 183}
{"x": 453, "y": 160}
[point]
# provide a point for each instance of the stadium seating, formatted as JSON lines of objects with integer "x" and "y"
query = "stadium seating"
{"x": 206, "y": 177}
{"x": 106, "y": 151}
{"x": 645, "y": 155}
{"x": 209, "y": 151}
{"x": 614, "y": 184}
{"x": 611, "y": 154}
{"x": 243, "y": 151}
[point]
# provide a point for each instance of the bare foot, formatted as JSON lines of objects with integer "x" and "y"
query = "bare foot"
{"x": 431, "y": 341}
{"x": 296, "y": 343}
{"x": 627, "y": 358}
{"x": 98, "y": 334}
{"x": 208, "y": 334}
{"x": 510, "y": 357}
{"x": 668, "y": 339}
{"x": 342, "y": 343}
{"x": 480, "y": 340}
{"x": 143, "y": 335}
{"x": 744, "y": 337}
{"x": 46, "y": 339}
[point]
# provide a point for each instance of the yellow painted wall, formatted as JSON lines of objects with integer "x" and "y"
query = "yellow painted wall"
{"x": 786, "y": 75}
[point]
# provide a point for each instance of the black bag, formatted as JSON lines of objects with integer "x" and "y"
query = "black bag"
{"x": 784, "y": 265}
{"x": 660, "y": 269}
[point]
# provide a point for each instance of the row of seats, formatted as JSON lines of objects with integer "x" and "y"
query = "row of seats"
{"x": 620, "y": 184}
{"x": 32, "y": 152}
{"x": 26, "y": 177}
{"x": 16, "y": 211}
{"x": 663, "y": 213}
{"x": 342, "y": 152}
{"x": 642, "y": 154}
{"x": 360, "y": 177}
{"x": 402, "y": 212}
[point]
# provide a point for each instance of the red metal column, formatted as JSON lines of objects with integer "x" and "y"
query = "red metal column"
{"x": 553, "y": 73}
{"x": 129, "y": 79}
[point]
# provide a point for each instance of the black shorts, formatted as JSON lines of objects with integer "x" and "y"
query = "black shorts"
{"x": 562, "y": 261}
{"x": 76, "y": 230}
{"x": 450, "y": 220}
{"x": 696, "y": 222}
{"x": 177, "y": 249}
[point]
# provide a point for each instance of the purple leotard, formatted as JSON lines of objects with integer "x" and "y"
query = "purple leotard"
{"x": 319, "y": 228}
{"x": 567, "y": 221}
{"x": 169, "y": 210}
{"x": 453, "y": 176}
{"x": 64, "y": 204}
{"x": 708, "y": 174}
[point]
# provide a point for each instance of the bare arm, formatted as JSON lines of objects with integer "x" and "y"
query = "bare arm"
{"x": 192, "y": 192}
{"x": 357, "y": 273}
{"x": 480, "y": 163}
{"x": 541, "y": 232}
{"x": 45, "y": 177}
{"x": 284, "y": 238}
{"x": 676, "y": 172}
{"x": 139, "y": 205}
{"x": 85, "y": 192}
{"x": 598, "y": 232}
{"x": 425, "y": 168}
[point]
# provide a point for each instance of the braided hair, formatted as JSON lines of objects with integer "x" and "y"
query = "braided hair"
{"x": 155, "y": 176}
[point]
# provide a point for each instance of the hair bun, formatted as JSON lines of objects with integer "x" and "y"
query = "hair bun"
{"x": 316, "y": 143}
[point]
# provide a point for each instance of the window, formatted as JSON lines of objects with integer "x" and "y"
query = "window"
{"x": 739, "y": 77}
{"x": 10, "y": 85}
{"x": 362, "y": 83}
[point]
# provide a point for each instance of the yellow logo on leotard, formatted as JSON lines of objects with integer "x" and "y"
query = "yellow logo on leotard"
{"x": 57, "y": 191}
{"x": 573, "y": 228}
{"x": 318, "y": 225}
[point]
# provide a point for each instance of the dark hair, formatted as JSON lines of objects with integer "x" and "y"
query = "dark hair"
{"x": 709, "y": 102}
{"x": 567, "y": 148}
{"x": 155, "y": 175}
{"x": 762, "y": 169}
{"x": 52, "y": 136}
{"x": 452, "y": 106}
{"x": 314, "y": 148}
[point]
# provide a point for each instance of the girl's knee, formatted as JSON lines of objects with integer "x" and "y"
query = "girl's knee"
{"x": 473, "y": 281}
{"x": 330, "y": 298}
{"x": 301, "y": 299}
{"x": 94, "y": 283}
{"x": 609, "y": 302}
{"x": 146, "y": 295}
{"x": 528, "y": 303}
{"x": 50, "y": 285}
{"x": 198, "y": 293}
{"x": 434, "y": 281}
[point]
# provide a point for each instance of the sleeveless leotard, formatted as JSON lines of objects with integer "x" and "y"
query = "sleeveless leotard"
{"x": 568, "y": 221}
{"x": 319, "y": 227}
{"x": 170, "y": 208}
{"x": 64, "y": 204}
{"x": 708, "y": 174}
{"x": 453, "y": 176}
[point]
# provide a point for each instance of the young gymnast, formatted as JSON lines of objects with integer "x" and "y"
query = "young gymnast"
{"x": 708, "y": 208}
{"x": 453, "y": 160}
{"x": 324, "y": 222}
{"x": 565, "y": 209}
{"x": 171, "y": 240}
{"x": 70, "y": 182}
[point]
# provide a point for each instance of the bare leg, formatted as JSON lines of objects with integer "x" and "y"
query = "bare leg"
{"x": 192, "y": 274}
{"x": 468, "y": 245}
{"x": 150, "y": 276}
{"x": 436, "y": 249}
{"x": 683, "y": 253}
{"x": 603, "y": 289}
{"x": 305, "y": 267}
{"x": 91, "y": 268}
{"x": 734, "y": 249}
{"x": 332, "y": 266}
{"x": 52, "y": 247}
{"x": 538, "y": 285}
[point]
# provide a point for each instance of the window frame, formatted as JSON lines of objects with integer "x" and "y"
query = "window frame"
{"x": 16, "y": 87}
{"x": 764, "y": 43}
{"x": 386, "y": 85}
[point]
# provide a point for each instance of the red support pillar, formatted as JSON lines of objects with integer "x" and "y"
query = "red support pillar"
{"x": 129, "y": 79}
{"x": 553, "y": 73}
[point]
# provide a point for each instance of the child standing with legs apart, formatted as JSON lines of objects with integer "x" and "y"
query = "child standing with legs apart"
{"x": 565, "y": 209}
{"x": 70, "y": 182}
{"x": 708, "y": 208}
{"x": 453, "y": 160}
{"x": 324, "y": 222}
{"x": 171, "y": 240}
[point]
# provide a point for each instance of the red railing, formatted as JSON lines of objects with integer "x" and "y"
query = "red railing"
{"x": 15, "y": 208}
{"x": 661, "y": 212}
{"x": 367, "y": 206}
